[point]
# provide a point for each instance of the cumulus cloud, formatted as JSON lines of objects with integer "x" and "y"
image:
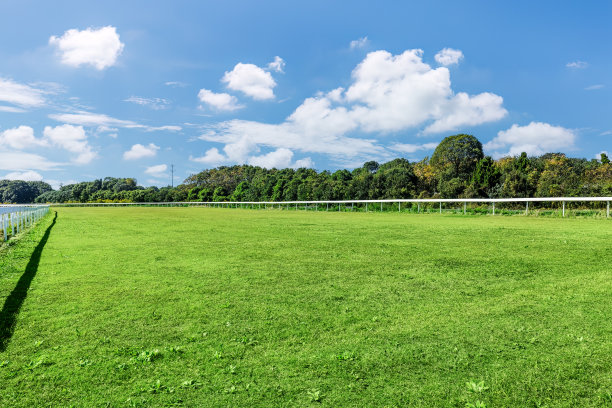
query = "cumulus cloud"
{"x": 99, "y": 48}
{"x": 598, "y": 155}
{"x": 29, "y": 175}
{"x": 20, "y": 138}
{"x": 359, "y": 43}
{"x": 280, "y": 158}
{"x": 98, "y": 119}
{"x": 239, "y": 152}
{"x": 388, "y": 93}
{"x": 219, "y": 101}
{"x": 139, "y": 151}
{"x": 535, "y": 139}
{"x": 73, "y": 139}
{"x": 577, "y": 64}
{"x": 448, "y": 56}
{"x": 24, "y": 96}
{"x": 153, "y": 103}
{"x": 251, "y": 80}
{"x": 278, "y": 65}
{"x": 465, "y": 110}
{"x": 212, "y": 157}
{"x": 157, "y": 170}
{"x": 304, "y": 163}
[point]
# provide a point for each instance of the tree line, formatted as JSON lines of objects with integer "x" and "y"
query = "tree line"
{"x": 458, "y": 168}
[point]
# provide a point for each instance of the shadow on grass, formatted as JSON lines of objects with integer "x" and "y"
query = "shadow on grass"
{"x": 13, "y": 302}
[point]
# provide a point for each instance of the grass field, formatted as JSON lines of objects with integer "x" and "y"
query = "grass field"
{"x": 235, "y": 308}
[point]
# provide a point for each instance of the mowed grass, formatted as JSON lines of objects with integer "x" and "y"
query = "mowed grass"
{"x": 237, "y": 308}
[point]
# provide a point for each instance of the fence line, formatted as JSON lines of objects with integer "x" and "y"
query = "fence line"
{"x": 16, "y": 218}
{"x": 339, "y": 203}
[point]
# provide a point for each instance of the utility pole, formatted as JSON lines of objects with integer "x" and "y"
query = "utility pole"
{"x": 172, "y": 171}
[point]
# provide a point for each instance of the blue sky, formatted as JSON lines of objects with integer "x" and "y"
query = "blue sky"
{"x": 126, "y": 89}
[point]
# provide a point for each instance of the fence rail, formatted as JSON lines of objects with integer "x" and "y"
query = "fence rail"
{"x": 346, "y": 203}
{"x": 16, "y": 218}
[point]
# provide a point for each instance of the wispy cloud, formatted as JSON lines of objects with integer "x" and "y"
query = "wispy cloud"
{"x": 594, "y": 87}
{"x": 24, "y": 96}
{"x": 175, "y": 84}
{"x": 153, "y": 103}
{"x": 577, "y": 64}
{"x": 359, "y": 43}
{"x": 98, "y": 119}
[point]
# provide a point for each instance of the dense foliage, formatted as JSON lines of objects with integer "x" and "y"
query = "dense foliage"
{"x": 20, "y": 192}
{"x": 457, "y": 168}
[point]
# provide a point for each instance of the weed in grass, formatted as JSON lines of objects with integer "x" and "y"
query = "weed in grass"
{"x": 191, "y": 384}
{"x": 476, "y": 387}
{"x": 84, "y": 363}
{"x": 157, "y": 387}
{"x": 315, "y": 395}
{"x": 149, "y": 356}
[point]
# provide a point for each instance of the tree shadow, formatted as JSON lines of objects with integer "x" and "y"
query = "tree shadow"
{"x": 12, "y": 304}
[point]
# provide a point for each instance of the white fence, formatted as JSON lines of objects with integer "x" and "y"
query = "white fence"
{"x": 15, "y": 218}
{"x": 368, "y": 205}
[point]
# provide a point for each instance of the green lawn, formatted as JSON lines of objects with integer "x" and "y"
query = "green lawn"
{"x": 238, "y": 308}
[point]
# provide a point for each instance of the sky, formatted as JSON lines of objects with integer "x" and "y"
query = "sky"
{"x": 129, "y": 89}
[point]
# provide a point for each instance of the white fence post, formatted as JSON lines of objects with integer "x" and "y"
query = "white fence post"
{"x": 563, "y": 214}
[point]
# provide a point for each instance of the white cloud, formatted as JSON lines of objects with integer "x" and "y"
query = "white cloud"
{"x": 598, "y": 155}
{"x": 359, "y": 43}
{"x": 280, "y": 159}
{"x": 577, "y": 64}
{"x": 157, "y": 171}
{"x": 101, "y": 120}
{"x": 29, "y": 175}
{"x": 175, "y": 84}
{"x": 388, "y": 94}
{"x": 21, "y": 95}
{"x": 98, "y": 48}
{"x": 401, "y": 91}
{"x": 304, "y": 163}
{"x": 21, "y": 161}
{"x": 448, "y": 56}
{"x": 464, "y": 110}
{"x": 250, "y": 80}
{"x": 594, "y": 87}
{"x": 412, "y": 148}
{"x": 171, "y": 128}
{"x": 139, "y": 151}
{"x": 73, "y": 139}
{"x": 153, "y": 103}
{"x": 20, "y": 138}
{"x": 11, "y": 109}
{"x": 219, "y": 101}
{"x": 278, "y": 65}
{"x": 212, "y": 157}
{"x": 535, "y": 139}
